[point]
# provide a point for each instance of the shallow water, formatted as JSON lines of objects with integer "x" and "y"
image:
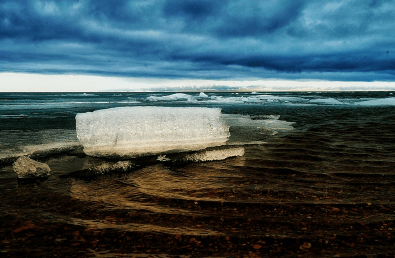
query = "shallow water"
{"x": 324, "y": 188}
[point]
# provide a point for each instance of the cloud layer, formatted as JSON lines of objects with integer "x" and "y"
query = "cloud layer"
{"x": 333, "y": 40}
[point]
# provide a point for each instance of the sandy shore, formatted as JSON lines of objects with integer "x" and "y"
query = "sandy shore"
{"x": 253, "y": 206}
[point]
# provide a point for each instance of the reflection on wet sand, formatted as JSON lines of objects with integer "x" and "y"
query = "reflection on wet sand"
{"x": 135, "y": 191}
{"x": 131, "y": 190}
{"x": 108, "y": 223}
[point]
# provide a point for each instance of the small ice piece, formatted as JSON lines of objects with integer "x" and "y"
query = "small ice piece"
{"x": 272, "y": 117}
{"x": 162, "y": 158}
{"x": 203, "y": 95}
{"x": 172, "y": 97}
{"x": 328, "y": 101}
{"x": 135, "y": 131}
{"x": 213, "y": 155}
{"x": 107, "y": 167}
{"x": 28, "y": 168}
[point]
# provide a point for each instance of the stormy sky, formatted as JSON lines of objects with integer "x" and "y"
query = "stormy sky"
{"x": 346, "y": 40}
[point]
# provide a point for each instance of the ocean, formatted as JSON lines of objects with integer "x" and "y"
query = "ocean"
{"x": 315, "y": 178}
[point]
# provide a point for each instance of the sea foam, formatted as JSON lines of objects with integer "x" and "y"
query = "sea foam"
{"x": 135, "y": 131}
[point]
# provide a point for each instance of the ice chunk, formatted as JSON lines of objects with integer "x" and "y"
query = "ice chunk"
{"x": 28, "y": 168}
{"x": 136, "y": 131}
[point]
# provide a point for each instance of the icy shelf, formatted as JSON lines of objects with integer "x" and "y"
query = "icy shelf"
{"x": 137, "y": 131}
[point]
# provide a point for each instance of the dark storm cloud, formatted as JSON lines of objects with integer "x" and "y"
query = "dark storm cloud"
{"x": 232, "y": 18}
{"x": 200, "y": 38}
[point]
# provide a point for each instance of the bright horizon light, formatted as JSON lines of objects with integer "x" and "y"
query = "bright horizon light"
{"x": 24, "y": 82}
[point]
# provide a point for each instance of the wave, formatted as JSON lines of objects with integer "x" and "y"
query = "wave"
{"x": 49, "y": 105}
{"x": 13, "y": 116}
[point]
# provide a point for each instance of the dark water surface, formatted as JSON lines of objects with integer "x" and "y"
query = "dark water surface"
{"x": 323, "y": 189}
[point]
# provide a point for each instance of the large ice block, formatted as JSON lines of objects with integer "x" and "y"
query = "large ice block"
{"x": 136, "y": 131}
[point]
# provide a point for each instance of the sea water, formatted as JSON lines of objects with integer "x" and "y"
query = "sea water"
{"x": 32, "y": 122}
{"x": 296, "y": 167}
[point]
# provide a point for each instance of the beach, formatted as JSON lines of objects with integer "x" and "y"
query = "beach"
{"x": 323, "y": 188}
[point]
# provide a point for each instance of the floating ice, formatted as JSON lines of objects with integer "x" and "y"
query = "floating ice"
{"x": 378, "y": 102}
{"x": 329, "y": 101}
{"x": 254, "y": 130}
{"x": 135, "y": 131}
{"x": 264, "y": 99}
{"x": 203, "y": 95}
{"x": 269, "y": 122}
{"x": 172, "y": 97}
{"x": 236, "y": 98}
